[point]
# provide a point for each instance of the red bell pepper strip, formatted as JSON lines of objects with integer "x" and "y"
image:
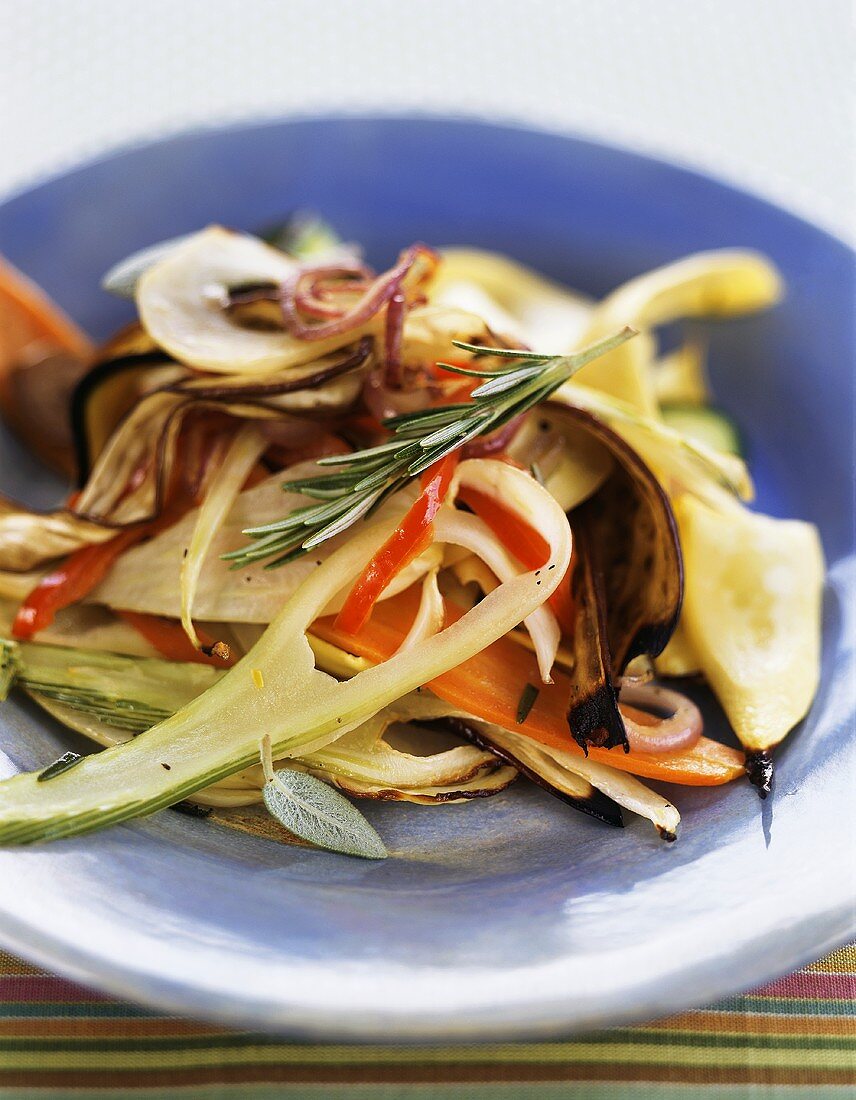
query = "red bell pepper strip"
{"x": 72, "y": 581}
{"x": 83, "y": 570}
{"x": 526, "y": 544}
{"x": 409, "y": 539}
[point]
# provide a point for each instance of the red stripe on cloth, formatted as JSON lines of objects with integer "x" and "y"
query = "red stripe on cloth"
{"x": 29, "y": 988}
{"x": 812, "y": 984}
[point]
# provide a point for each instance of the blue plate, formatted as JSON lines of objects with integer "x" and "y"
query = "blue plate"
{"x": 512, "y": 916}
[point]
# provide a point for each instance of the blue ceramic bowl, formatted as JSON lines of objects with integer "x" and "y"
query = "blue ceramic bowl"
{"x": 513, "y": 916}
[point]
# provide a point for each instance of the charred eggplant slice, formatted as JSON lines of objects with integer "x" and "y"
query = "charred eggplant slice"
{"x": 109, "y": 390}
{"x": 42, "y": 355}
{"x": 44, "y": 380}
{"x": 759, "y": 769}
{"x": 593, "y": 714}
{"x": 627, "y": 584}
{"x": 101, "y": 400}
{"x": 595, "y": 803}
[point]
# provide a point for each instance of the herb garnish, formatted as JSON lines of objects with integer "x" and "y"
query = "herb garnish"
{"x": 363, "y": 480}
{"x": 527, "y": 702}
{"x": 312, "y": 810}
{"x": 66, "y": 761}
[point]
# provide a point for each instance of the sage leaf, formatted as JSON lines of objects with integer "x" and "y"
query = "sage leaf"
{"x": 312, "y": 810}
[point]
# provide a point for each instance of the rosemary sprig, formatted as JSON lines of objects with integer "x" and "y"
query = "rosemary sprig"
{"x": 363, "y": 480}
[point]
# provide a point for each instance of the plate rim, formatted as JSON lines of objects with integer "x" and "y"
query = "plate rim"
{"x": 56, "y": 954}
{"x": 141, "y": 143}
{"x": 513, "y": 1020}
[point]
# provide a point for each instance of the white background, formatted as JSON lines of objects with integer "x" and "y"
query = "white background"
{"x": 759, "y": 92}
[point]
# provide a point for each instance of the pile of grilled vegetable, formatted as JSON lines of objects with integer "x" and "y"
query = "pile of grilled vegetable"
{"x": 406, "y": 535}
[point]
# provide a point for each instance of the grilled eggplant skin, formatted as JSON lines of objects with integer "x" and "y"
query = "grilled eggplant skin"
{"x": 627, "y": 584}
{"x": 101, "y": 399}
{"x": 597, "y": 805}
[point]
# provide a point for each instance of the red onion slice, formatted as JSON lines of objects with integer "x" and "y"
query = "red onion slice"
{"x": 496, "y": 442}
{"x": 313, "y": 307}
{"x": 317, "y": 289}
{"x": 332, "y": 273}
{"x": 394, "y": 332}
{"x": 679, "y": 729}
{"x": 384, "y": 401}
{"x": 379, "y": 293}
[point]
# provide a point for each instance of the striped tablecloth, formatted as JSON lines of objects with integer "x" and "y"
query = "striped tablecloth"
{"x": 793, "y": 1038}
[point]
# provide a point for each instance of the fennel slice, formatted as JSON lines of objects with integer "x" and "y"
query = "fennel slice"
{"x": 301, "y": 708}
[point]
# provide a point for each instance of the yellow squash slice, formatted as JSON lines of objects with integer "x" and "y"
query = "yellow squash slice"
{"x": 752, "y": 614}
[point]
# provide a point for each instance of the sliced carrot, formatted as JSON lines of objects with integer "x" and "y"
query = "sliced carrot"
{"x": 490, "y": 684}
{"x": 28, "y": 314}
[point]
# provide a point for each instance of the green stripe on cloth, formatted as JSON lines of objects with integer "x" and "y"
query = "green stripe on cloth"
{"x": 794, "y": 1038}
{"x": 628, "y": 1045}
{"x": 537, "y": 1052}
{"x": 797, "y": 1006}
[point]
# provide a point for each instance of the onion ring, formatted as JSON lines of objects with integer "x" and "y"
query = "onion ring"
{"x": 679, "y": 729}
{"x": 379, "y": 293}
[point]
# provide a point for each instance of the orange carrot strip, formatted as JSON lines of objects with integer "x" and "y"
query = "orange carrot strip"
{"x": 490, "y": 684}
